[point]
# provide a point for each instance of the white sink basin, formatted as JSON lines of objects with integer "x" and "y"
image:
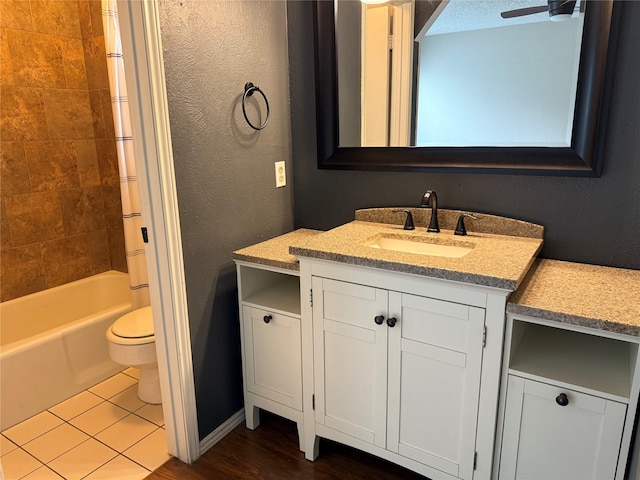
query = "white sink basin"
{"x": 420, "y": 247}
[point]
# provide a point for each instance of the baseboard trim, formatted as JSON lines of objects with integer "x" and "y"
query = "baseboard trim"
{"x": 222, "y": 431}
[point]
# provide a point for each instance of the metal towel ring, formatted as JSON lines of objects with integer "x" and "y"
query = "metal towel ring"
{"x": 249, "y": 88}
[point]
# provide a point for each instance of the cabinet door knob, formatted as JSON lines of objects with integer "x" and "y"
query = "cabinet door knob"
{"x": 562, "y": 400}
{"x": 267, "y": 318}
{"x": 379, "y": 320}
{"x": 391, "y": 322}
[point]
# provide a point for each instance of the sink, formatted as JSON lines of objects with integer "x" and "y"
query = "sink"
{"x": 421, "y": 247}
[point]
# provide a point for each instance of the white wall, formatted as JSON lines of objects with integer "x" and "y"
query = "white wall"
{"x": 505, "y": 86}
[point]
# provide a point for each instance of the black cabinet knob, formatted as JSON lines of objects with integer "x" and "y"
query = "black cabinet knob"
{"x": 267, "y": 318}
{"x": 379, "y": 320}
{"x": 391, "y": 322}
{"x": 562, "y": 400}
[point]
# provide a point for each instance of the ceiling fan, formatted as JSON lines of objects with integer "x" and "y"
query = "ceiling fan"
{"x": 558, "y": 10}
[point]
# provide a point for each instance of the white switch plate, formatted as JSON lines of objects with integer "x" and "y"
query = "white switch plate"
{"x": 281, "y": 174}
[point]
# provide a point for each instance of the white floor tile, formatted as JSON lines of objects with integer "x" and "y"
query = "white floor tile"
{"x": 126, "y": 432}
{"x": 128, "y": 399}
{"x": 98, "y": 418}
{"x": 113, "y": 385}
{"x": 132, "y": 372}
{"x": 18, "y": 463}
{"x": 151, "y": 451}
{"x": 76, "y": 405}
{"x": 43, "y": 473}
{"x": 121, "y": 468}
{"x": 32, "y": 428}
{"x": 55, "y": 442}
{"x": 82, "y": 460}
{"x": 6, "y": 445}
{"x": 153, "y": 413}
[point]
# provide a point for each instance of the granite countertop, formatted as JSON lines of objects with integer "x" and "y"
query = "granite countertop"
{"x": 499, "y": 261}
{"x": 447, "y": 219}
{"x": 275, "y": 252}
{"x": 603, "y": 298}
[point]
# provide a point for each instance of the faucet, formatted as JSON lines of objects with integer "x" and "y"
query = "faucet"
{"x": 430, "y": 200}
{"x": 460, "y": 227}
{"x": 408, "y": 224}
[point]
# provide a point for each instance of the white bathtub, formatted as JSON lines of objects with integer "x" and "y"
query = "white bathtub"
{"x": 53, "y": 343}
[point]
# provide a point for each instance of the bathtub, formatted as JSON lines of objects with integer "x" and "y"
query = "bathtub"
{"x": 53, "y": 343}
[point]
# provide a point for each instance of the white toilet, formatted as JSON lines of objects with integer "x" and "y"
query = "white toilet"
{"x": 133, "y": 343}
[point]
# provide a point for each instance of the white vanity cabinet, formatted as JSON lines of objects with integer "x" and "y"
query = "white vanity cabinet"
{"x": 571, "y": 395}
{"x": 399, "y": 371}
{"x": 398, "y": 366}
{"x": 273, "y": 356}
{"x": 271, "y": 342}
{"x": 553, "y": 432}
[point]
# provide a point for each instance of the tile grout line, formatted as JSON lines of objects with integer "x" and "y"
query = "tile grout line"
{"x": 110, "y": 460}
{"x": 100, "y": 466}
{"x": 67, "y": 422}
{"x": 39, "y": 466}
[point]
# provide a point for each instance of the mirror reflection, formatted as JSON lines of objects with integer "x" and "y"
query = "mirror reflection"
{"x": 457, "y": 73}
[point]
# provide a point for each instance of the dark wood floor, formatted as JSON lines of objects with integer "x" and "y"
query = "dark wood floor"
{"x": 271, "y": 452}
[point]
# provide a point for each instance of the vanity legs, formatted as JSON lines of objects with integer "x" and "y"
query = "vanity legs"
{"x": 252, "y": 421}
{"x": 301, "y": 440}
{"x": 252, "y": 416}
{"x": 312, "y": 444}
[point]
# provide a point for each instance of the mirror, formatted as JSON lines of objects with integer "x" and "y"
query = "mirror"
{"x": 572, "y": 149}
{"x": 409, "y": 74}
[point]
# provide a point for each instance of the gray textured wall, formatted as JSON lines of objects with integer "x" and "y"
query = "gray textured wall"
{"x": 590, "y": 220}
{"x": 224, "y": 170}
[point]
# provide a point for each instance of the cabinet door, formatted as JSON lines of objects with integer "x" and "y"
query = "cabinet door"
{"x": 435, "y": 357}
{"x": 544, "y": 440}
{"x": 273, "y": 356}
{"x": 350, "y": 359}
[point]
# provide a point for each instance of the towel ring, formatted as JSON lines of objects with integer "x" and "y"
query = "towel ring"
{"x": 249, "y": 89}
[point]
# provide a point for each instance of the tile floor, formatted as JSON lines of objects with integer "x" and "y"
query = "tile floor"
{"x": 103, "y": 433}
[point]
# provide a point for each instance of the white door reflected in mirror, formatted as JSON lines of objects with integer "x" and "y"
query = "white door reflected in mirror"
{"x": 475, "y": 78}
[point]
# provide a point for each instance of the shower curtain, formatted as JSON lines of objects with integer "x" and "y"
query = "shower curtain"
{"x": 136, "y": 258}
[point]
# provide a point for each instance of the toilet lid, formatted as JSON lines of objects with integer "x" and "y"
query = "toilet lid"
{"x": 135, "y": 324}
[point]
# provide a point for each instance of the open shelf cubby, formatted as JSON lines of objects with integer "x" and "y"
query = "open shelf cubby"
{"x": 594, "y": 364}
{"x": 271, "y": 290}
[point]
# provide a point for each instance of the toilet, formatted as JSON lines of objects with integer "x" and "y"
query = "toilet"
{"x": 133, "y": 343}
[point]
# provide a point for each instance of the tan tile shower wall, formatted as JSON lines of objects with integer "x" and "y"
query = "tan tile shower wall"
{"x": 60, "y": 212}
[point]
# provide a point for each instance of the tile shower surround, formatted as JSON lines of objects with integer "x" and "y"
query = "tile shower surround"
{"x": 60, "y": 212}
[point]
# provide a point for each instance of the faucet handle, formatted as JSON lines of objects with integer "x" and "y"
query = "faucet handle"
{"x": 408, "y": 224}
{"x": 460, "y": 227}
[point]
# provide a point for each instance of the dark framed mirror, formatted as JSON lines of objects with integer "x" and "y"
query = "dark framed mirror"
{"x": 581, "y": 158}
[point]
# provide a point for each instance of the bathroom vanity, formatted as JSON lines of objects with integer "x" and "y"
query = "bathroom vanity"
{"x": 270, "y": 329}
{"x": 570, "y": 373}
{"x": 419, "y": 358}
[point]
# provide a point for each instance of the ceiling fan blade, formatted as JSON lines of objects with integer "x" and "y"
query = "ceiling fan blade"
{"x": 520, "y": 12}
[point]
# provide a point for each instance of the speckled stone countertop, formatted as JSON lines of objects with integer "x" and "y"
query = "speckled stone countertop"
{"x": 498, "y": 261}
{"x": 592, "y": 296}
{"x": 447, "y": 219}
{"x": 275, "y": 252}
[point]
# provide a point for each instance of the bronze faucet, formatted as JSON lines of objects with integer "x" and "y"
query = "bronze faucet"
{"x": 430, "y": 200}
